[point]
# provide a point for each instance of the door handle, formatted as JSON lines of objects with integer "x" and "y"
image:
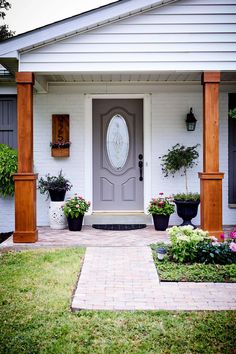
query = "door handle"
{"x": 140, "y": 165}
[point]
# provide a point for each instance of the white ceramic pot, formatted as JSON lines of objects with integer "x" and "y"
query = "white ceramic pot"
{"x": 57, "y": 218}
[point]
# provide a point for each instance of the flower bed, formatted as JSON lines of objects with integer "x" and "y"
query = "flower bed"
{"x": 194, "y": 256}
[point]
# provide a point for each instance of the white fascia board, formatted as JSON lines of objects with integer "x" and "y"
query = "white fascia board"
{"x": 76, "y": 24}
{"x": 12, "y": 54}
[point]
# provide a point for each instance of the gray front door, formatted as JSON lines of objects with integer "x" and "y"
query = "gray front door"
{"x": 118, "y": 154}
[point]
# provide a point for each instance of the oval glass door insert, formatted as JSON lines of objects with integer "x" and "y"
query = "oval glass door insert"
{"x": 117, "y": 142}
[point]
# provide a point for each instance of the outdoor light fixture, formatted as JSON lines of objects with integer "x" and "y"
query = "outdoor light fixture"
{"x": 191, "y": 121}
{"x": 161, "y": 251}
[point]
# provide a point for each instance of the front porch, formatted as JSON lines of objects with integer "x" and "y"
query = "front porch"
{"x": 208, "y": 131}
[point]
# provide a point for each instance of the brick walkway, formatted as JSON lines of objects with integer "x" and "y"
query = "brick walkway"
{"x": 125, "y": 278}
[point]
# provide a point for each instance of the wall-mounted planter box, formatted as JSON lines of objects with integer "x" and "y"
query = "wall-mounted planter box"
{"x": 60, "y": 146}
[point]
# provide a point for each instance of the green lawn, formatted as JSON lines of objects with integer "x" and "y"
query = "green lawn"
{"x": 35, "y": 316}
{"x": 171, "y": 271}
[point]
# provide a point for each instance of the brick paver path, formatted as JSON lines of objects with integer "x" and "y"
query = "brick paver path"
{"x": 125, "y": 278}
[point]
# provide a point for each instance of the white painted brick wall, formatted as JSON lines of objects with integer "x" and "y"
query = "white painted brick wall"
{"x": 170, "y": 105}
{"x": 73, "y": 166}
{"x": 7, "y": 217}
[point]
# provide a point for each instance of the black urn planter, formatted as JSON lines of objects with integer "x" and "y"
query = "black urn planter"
{"x": 161, "y": 222}
{"x": 75, "y": 224}
{"x": 187, "y": 210}
{"x": 57, "y": 195}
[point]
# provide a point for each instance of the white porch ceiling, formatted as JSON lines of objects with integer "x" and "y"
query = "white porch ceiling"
{"x": 131, "y": 77}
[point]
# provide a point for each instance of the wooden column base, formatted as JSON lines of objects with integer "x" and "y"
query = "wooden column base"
{"x": 25, "y": 208}
{"x": 211, "y": 202}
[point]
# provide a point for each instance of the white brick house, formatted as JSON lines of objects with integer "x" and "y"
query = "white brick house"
{"x": 154, "y": 51}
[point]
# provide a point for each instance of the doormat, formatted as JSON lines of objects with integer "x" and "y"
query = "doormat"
{"x": 119, "y": 227}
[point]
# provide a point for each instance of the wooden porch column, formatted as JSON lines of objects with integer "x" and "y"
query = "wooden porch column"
{"x": 211, "y": 178}
{"x": 25, "y": 179}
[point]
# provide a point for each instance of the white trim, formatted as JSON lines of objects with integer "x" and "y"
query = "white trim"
{"x": 146, "y": 140}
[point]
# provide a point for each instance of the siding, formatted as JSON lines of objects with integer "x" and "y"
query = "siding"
{"x": 187, "y": 35}
{"x": 8, "y": 121}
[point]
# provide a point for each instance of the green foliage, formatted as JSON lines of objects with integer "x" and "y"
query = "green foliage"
{"x": 216, "y": 253}
{"x": 59, "y": 183}
{"x": 232, "y": 113}
{"x": 75, "y": 206}
{"x": 5, "y": 33}
{"x": 187, "y": 196}
{"x": 189, "y": 246}
{"x": 35, "y": 316}
{"x": 161, "y": 206}
{"x": 4, "y": 5}
{"x": 179, "y": 157}
{"x": 185, "y": 241}
{"x": 8, "y": 166}
{"x": 196, "y": 272}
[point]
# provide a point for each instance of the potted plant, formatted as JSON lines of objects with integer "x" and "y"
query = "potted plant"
{"x": 179, "y": 159}
{"x": 55, "y": 186}
{"x": 161, "y": 208}
{"x": 74, "y": 209}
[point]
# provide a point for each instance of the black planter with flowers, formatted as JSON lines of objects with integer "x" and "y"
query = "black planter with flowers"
{"x": 161, "y": 208}
{"x": 161, "y": 222}
{"x": 74, "y": 209}
{"x": 75, "y": 224}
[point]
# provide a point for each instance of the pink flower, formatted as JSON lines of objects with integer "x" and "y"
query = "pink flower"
{"x": 77, "y": 206}
{"x": 161, "y": 203}
{"x": 232, "y": 234}
{"x": 213, "y": 238}
{"x": 222, "y": 236}
{"x": 232, "y": 246}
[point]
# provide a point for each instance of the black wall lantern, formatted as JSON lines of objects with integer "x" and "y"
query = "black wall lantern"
{"x": 191, "y": 121}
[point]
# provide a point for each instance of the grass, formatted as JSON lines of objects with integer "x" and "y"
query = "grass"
{"x": 197, "y": 272}
{"x": 35, "y": 316}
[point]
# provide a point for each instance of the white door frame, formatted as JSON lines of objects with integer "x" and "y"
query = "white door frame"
{"x": 89, "y": 143}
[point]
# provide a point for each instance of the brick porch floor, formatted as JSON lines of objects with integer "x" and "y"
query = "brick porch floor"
{"x": 89, "y": 237}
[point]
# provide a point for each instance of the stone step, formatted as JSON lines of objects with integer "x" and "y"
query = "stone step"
{"x": 117, "y": 218}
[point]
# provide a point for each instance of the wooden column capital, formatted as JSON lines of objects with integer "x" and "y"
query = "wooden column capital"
{"x": 210, "y": 77}
{"x": 25, "y": 78}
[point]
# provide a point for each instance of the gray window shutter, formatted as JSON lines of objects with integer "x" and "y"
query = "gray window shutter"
{"x": 232, "y": 152}
{"x": 8, "y": 120}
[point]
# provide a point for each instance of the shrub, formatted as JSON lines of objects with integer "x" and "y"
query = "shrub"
{"x": 185, "y": 241}
{"x": 187, "y": 197}
{"x": 216, "y": 252}
{"x": 8, "y": 166}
